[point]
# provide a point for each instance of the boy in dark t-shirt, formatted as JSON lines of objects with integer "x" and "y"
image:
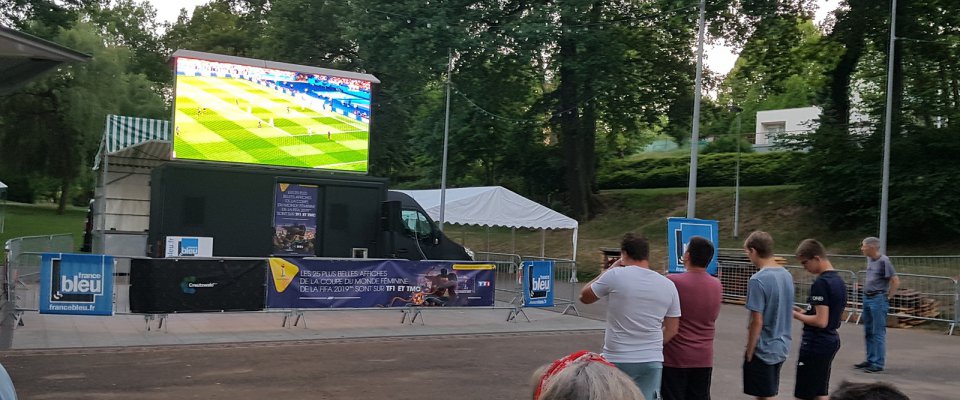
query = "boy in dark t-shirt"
{"x": 821, "y": 318}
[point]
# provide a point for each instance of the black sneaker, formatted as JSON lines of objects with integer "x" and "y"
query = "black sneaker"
{"x": 862, "y": 365}
{"x": 871, "y": 369}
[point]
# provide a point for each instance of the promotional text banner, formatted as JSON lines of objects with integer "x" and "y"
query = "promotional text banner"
{"x": 309, "y": 283}
{"x": 295, "y": 219}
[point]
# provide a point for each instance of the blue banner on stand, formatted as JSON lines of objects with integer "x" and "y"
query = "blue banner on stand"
{"x": 538, "y": 283}
{"x": 80, "y": 284}
{"x": 309, "y": 283}
{"x": 679, "y": 232}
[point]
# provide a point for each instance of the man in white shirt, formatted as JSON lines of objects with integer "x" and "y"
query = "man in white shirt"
{"x": 643, "y": 313}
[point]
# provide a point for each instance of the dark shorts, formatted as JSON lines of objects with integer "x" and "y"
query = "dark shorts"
{"x": 686, "y": 383}
{"x": 813, "y": 375}
{"x": 761, "y": 379}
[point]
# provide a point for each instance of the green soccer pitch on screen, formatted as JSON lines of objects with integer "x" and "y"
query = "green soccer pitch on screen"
{"x": 256, "y": 115}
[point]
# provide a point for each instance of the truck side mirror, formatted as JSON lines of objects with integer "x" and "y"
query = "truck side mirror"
{"x": 390, "y": 218}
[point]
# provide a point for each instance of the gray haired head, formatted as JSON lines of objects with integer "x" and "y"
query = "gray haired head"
{"x": 872, "y": 242}
{"x": 587, "y": 380}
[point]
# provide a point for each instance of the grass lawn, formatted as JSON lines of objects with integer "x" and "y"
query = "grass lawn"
{"x": 775, "y": 209}
{"x": 41, "y": 219}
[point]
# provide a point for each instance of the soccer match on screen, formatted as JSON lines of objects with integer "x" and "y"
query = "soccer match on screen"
{"x": 245, "y": 114}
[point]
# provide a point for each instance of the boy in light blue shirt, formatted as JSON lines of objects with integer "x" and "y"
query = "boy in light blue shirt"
{"x": 770, "y": 301}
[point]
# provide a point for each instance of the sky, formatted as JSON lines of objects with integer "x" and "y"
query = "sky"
{"x": 718, "y": 58}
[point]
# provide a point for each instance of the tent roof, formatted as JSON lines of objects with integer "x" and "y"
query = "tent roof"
{"x": 135, "y": 141}
{"x": 2, "y": 185}
{"x": 490, "y": 206}
{"x": 24, "y": 57}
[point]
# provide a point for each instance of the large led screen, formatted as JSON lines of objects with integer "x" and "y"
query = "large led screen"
{"x": 255, "y": 115}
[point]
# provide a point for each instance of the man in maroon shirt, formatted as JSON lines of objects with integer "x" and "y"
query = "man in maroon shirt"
{"x": 688, "y": 358}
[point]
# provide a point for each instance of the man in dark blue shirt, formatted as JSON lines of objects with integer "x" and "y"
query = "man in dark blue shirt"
{"x": 821, "y": 318}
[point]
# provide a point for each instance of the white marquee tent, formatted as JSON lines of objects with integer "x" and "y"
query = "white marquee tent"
{"x": 493, "y": 206}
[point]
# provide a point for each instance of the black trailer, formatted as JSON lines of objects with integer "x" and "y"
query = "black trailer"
{"x": 236, "y": 205}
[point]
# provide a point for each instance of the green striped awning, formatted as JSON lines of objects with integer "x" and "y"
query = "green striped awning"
{"x": 122, "y": 133}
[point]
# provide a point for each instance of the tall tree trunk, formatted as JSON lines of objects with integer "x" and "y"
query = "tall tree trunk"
{"x": 588, "y": 123}
{"x": 570, "y": 138}
{"x": 851, "y": 33}
{"x": 64, "y": 195}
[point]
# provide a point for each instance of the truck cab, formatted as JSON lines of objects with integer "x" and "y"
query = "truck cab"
{"x": 415, "y": 236}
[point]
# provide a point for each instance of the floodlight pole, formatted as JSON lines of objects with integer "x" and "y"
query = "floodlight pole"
{"x": 888, "y": 122}
{"x": 736, "y": 190}
{"x": 446, "y": 135}
{"x": 695, "y": 139}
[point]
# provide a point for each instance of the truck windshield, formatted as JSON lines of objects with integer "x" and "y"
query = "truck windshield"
{"x": 416, "y": 222}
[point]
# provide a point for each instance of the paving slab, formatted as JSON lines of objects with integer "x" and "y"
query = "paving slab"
{"x": 72, "y": 331}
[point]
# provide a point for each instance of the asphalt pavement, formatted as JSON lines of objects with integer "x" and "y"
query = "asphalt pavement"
{"x": 463, "y": 354}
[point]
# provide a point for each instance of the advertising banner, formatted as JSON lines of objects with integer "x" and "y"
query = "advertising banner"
{"x": 679, "y": 232}
{"x": 80, "y": 284}
{"x": 160, "y": 285}
{"x": 538, "y": 283}
{"x": 309, "y": 283}
{"x": 295, "y": 219}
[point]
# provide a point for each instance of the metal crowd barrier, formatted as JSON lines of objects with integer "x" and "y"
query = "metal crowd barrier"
{"x": 921, "y": 298}
{"x": 803, "y": 280}
{"x": 26, "y": 267}
{"x": 924, "y": 298}
{"x": 734, "y": 276}
{"x": 920, "y": 265}
{"x": 22, "y": 265}
{"x": 564, "y": 274}
{"x": 508, "y": 273}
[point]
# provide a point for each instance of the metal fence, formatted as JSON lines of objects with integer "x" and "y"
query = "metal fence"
{"x": 921, "y": 265}
{"x": 948, "y": 266}
{"x": 920, "y": 298}
{"x": 565, "y": 281}
{"x": 26, "y": 278}
{"x": 803, "y": 281}
{"x": 22, "y": 266}
{"x": 508, "y": 273}
{"x": 924, "y": 298}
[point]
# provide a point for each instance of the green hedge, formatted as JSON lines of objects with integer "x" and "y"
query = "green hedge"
{"x": 756, "y": 169}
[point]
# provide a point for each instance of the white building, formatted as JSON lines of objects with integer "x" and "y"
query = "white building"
{"x": 789, "y": 121}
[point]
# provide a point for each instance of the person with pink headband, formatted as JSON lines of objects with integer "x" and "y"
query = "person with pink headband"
{"x": 583, "y": 375}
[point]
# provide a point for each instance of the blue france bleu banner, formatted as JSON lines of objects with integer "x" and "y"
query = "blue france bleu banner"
{"x": 679, "y": 232}
{"x": 538, "y": 283}
{"x": 79, "y": 284}
{"x": 309, "y": 283}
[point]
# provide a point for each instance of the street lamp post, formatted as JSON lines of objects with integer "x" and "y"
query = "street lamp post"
{"x": 736, "y": 190}
{"x": 446, "y": 135}
{"x": 887, "y": 127}
{"x": 695, "y": 137}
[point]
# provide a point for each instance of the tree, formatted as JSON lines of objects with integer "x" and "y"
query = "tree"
{"x": 844, "y": 172}
{"x": 53, "y": 126}
{"x": 133, "y": 25}
{"x": 221, "y": 26}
